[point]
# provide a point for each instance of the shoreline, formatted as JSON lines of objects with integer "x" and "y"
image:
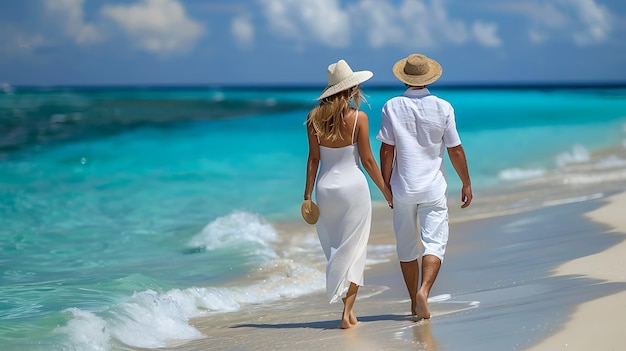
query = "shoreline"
{"x": 526, "y": 290}
{"x": 597, "y": 324}
{"x": 242, "y": 285}
{"x": 309, "y": 323}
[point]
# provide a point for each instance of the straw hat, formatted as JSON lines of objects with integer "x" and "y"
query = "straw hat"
{"x": 417, "y": 70}
{"x": 341, "y": 77}
{"x": 310, "y": 211}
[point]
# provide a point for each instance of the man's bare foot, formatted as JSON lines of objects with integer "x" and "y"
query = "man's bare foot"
{"x": 413, "y": 307}
{"x": 422, "y": 307}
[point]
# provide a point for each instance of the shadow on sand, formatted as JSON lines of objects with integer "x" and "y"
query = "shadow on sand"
{"x": 327, "y": 324}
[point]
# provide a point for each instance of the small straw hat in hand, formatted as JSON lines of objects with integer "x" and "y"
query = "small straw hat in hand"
{"x": 341, "y": 77}
{"x": 310, "y": 211}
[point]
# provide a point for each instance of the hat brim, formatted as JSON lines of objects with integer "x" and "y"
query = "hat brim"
{"x": 355, "y": 79}
{"x": 310, "y": 212}
{"x": 434, "y": 72}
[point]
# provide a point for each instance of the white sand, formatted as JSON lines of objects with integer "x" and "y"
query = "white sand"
{"x": 310, "y": 323}
{"x": 599, "y": 324}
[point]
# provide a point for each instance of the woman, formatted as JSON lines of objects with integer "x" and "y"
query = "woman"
{"x": 339, "y": 138}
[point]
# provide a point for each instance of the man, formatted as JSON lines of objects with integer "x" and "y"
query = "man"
{"x": 415, "y": 130}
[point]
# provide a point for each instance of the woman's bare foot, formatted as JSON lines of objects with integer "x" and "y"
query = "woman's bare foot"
{"x": 345, "y": 323}
{"x": 350, "y": 321}
{"x": 352, "y": 318}
{"x": 421, "y": 307}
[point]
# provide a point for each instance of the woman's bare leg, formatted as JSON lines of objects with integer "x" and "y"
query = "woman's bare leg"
{"x": 348, "y": 318}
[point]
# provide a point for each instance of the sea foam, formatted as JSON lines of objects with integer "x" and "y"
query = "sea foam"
{"x": 579, "y": 154}
{"x": 155, "y": 319}
{"x": 237, "y": 229}
{"x": 521, "y": 174}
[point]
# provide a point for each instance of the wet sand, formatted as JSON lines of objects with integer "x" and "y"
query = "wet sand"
{"x": 546, "y": 275}
{"x": 535, "y": 265}
{"x": 597, "y": 324}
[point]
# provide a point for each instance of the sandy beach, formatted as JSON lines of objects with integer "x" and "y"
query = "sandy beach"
{"x": 311, "y": 323}
{"x": 547, "y": 276}
{"x": 597, "y": 324}
{"x": 531, "y": 266}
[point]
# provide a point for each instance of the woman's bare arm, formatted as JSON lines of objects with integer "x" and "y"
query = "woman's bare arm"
{"x": 367, "y": 158}
{"x": 312, "y": 163}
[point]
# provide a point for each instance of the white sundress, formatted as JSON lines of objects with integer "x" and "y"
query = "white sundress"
{"x": 343, "y": 197}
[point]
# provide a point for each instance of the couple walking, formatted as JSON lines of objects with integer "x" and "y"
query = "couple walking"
{"x": 415, "y": 130}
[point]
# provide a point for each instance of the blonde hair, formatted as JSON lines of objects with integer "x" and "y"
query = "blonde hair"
{"x": 327, "y": 117}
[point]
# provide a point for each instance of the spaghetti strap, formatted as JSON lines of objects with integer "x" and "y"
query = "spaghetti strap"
{"x": 354, "y": 128}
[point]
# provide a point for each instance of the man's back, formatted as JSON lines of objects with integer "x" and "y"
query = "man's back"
{"x": 415, "y": 130}
{"x": 420, "y": 126}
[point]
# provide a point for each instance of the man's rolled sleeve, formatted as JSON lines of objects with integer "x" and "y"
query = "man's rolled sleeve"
{"x": 451, "y": 135}
{"x": 385, "y": 134}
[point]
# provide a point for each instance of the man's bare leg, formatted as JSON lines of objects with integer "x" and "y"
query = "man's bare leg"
{"x": 430, "y": 270}
{"x": 348, "y": 318}
{"x": 410, "y": 272}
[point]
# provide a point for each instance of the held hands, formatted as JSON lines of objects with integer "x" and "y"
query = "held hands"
{"x": 466, "y": 196}
{"x": 388, "y": 195}
{"x": 390, "y": 203}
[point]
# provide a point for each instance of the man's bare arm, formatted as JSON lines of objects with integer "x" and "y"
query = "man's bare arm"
{"x": 459, "y": 161}
{"x": 386, "y": 162}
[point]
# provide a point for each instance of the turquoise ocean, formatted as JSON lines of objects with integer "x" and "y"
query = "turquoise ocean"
{"x": 126, "y": 211}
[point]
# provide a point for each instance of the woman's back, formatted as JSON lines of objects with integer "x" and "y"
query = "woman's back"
{"x": 343, "y": 196}
{"x": 348, "y": 131}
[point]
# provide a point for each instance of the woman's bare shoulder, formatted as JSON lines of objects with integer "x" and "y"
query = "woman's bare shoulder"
{"x": 362, "y": 116}
{"x": 351, "y": 115}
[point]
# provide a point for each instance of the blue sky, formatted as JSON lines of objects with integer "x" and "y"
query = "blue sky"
{"x": 291, "y": 42}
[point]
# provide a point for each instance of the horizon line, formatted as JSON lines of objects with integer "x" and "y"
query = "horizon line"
{"x": 306, "y": 86}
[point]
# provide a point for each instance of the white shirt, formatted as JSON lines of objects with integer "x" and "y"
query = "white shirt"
{"x": 420, "y": 126}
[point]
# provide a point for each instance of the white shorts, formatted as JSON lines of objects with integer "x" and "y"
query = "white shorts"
{"x": 433, "y": 222}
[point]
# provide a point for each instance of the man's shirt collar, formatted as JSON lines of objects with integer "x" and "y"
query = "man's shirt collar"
{"x": 411, "y": 92}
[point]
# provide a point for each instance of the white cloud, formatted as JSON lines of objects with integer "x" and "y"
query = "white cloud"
{"x": 71, "y": 16}
{"x": 409, "y": 24}
{"x": 452, "y": 30}
{"x": 382, "y": 28}
{"x": 585, "y": 22}
{"x": 544, "y": 14}
{"x": 29, "y": 42}
{"x": 15, "y": 42}
{"x": 486, "y": 34}
{"x": 537, "y": 36}
{"x": 596, "y": 21}
{"x": 320, "y": 20}
{"x": 243, "y": 30}
{"x": 418, "y": 24}
{"x": 158, "y": 26}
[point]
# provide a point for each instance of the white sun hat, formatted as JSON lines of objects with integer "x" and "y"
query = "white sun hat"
{"x": 341, "y": 77}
